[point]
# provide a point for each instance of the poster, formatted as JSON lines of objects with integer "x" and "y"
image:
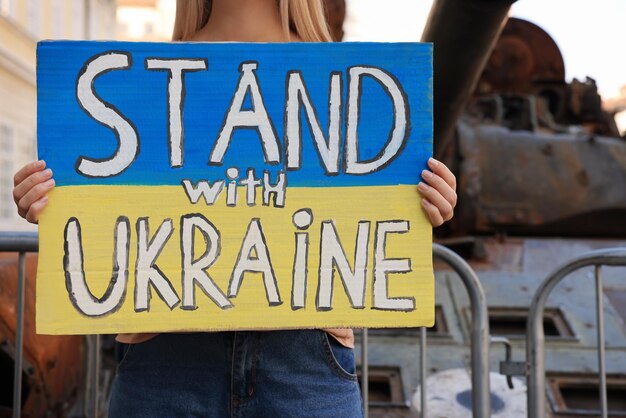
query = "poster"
{"x": 228, "y": 186}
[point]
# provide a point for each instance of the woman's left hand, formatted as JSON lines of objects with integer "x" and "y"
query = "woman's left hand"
{"x": 439, "y": 192}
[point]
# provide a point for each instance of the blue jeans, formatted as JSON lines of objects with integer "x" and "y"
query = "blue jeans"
{"x": 303, "y": 373}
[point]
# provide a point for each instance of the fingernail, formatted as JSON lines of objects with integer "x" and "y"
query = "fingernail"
{"x": 40, "y": 164}
{"x": 47, "y": 172}
{"x": 433, "y": 162}
{"x": 50, "y": 182}
{"x": 425, "y": 203}
{"x": 426, "y": 174}
{"x": 422, "y": 186}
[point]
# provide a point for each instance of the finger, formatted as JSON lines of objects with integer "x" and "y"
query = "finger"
{"x": 442, "y": 171}
{"x": 35, "y": 210}
{"x": 22, "y": 188}
{"x": 432, "y": 212}
{"x": 435, "y": 198}
{"x": 27, "y": 170}
{"x": 34, "y": 195}
{"x": 441, "y": 186}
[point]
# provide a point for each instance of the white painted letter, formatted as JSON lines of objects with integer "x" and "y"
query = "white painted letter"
{"x": 176, "y": 97}
{"x": 383, "y": 266}
{"x": 399, "y": 134}
{"x": 297, "y": 95}
{"x": 255, "y": 118}
{"x": 257, "y": 261}
{"x": 278, "y": 190}
{"x": 210, "y": 192}
{"x": 146, "y": 272}
{"x": 231, "y": 190}
{"x": 80, "y": 295}
{"x": 251, "y": 184}
{"x": 302, "y": 219}
{"x": 332, "y": 255}
{"x": 194, "y": 271}
{"x": 108, "y": 115}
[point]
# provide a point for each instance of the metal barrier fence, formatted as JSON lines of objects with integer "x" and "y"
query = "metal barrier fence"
{"x": 27, "y": 242}
{"x": 21, "y": 243}
{"x": 479, "y": 336}
{"x": 535, "y": 333}
{"x": 479, "y": 340}
{"x": 479, "y": 332}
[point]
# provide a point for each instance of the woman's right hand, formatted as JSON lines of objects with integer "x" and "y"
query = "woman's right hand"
{"x": 30, "y": 187}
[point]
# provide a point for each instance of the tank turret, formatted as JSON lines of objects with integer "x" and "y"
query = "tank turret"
{"x": 463, "y": 33}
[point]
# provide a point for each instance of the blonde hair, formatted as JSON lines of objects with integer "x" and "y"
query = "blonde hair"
{"x": 304, "y": 17}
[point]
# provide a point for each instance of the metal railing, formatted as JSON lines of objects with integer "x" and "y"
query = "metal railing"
{"x": 27, "y": 242}
{"x": 479, "y": 331}
{"x": 479, "y": 336}
{"x": 535, "y": 339}
{"x": 21, "y": 243}
{"x": 479, "y": 340}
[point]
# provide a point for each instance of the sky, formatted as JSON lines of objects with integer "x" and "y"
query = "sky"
{"x": 591, "y": 35}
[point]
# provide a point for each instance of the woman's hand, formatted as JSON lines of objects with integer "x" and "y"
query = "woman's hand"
{"x": 438, "y": 191}
{"x": 30, "y": 186}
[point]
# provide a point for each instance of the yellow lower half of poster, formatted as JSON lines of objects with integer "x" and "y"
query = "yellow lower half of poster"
{"x": 124, "y": 259}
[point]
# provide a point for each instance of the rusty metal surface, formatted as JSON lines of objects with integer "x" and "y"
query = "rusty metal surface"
{"x": 533, "y": 154}
{"x": 53, "y": 365}
{"x": 523, "y": 182}
{"x": 584, "y": 107}
{"x": 526, "y": 65}
{"x": 524, "y": 58}
{"x": 463, "y": 33}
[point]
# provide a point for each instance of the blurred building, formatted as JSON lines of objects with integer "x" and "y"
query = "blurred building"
{"x": 22, "y": 24}
{"x": 145, "y": 20}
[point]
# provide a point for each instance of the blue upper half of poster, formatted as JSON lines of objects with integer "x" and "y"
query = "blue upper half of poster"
{"x": 140, "y": 93}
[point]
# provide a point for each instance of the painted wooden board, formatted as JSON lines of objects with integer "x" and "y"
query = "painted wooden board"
{"x": 223, "y": 186}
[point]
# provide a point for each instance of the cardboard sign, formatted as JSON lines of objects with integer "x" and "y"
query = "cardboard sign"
{"x": 226, "y": 186}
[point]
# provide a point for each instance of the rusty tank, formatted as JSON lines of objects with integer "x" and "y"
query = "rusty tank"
{"x": 533, "y": 153}
{"x": 541, "y": 173}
